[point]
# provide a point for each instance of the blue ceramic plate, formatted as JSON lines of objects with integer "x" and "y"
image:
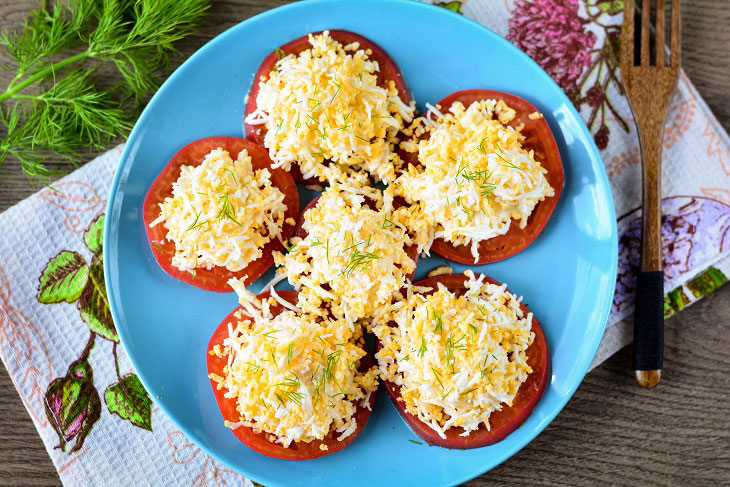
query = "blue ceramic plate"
{"x": 567, "y": 276}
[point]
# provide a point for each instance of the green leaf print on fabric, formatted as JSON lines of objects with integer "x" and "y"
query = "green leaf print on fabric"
{"x": 454, "y": 6}
{"x": 129, "y": 400}
{"x": 94, "y": 304}
{"x": 94, "y": 235}
{"x": 702, "y": 285}
{"x": 72, "y": 402}
{"x": 63, "y": 279}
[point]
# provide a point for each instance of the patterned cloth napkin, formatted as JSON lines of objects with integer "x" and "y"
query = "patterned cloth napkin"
{"x": 62, "y": 351}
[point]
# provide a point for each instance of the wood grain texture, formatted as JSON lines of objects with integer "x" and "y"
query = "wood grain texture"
{"x": 611, "y": 432}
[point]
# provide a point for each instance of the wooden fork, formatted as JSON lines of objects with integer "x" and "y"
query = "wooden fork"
{"x": 649, "y": 89}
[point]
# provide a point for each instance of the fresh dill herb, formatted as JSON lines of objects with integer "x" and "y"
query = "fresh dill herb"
{"x": 294, "y": 396}
{"x": 291, "y": 247}
{"x": 437, "y": 374}
{"x": 416, "y": 442}
{"x": 281, "y": 399}
{"x": 53, "y": 106}
{"x": 318, "y": 153}
{"x": 359, "y": 261}
{"x": 422, "y": 348}
{"x": 195, "y": 222}
{"x": 159, "y": 248}
{"x": 467, "y": 392}
{"x": 481, "y": 147}
{"x": 363, "y": 139}
{"x": 439, "y": 323}
{"x": 447, "y": 393}
{"x": 281, "y": 122}
{"x": 279, "y": 54}
{"x": 507, "y": 163}
{"x": 289, "y": 353}
{"x": 313, "y": 119}
{"x": 316, "y": 243}
{"x": 233, "y": 176}
{"x": 337, "y": 91}
{"x": 226, "y": 210}
{"x": 297, "y": 124}
{"x": 386, "y": 224}
{"x": 327, "y": 250}
{"x": 463, "y": 208}
{"x": 473, "y": 328}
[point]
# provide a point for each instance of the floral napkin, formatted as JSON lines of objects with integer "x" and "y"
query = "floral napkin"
{"x": 61, "y": 349}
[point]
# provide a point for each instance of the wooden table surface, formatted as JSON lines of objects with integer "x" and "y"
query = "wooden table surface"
{"x": 611, "y": 432}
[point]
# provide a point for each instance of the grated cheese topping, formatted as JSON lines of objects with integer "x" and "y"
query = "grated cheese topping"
{"x": 474, "y": 177}
{"x": 293, "y": 375}
{"x": 354, "y": 258}
{"x": 221, "y": 213}
{"x": 325, "y": 105}
{"x": 457, "y": 359}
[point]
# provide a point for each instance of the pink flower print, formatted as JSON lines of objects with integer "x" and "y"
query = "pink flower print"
{"x": 552, "y": 33}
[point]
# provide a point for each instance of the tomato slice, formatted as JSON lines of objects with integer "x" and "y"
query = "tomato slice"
{"x": 192, "y": 155}
{"x": 259, "y": 442}
{"x": 389, "y": 71}
{"x": 502, "y": 422}
{"x": 411, "y": 250}
{"x": 539, "y": 138}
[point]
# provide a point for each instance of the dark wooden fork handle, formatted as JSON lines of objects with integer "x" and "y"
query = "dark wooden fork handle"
{"x": 649, "y": 327}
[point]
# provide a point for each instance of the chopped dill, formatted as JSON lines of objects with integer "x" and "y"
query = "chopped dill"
{"x": 422, "y": 348}
{"x": 227, "y": 210}
{"x": 337, "y": 92}
{"x": 416, "y": 442}
{"x": 439, "y": 323}
{"x": 363, "y": 139}
{"x": 159, "y": 248}
{"x": 233, "y": 176}
{"x": 195, "y": 222}
{"x": 386, "y": 224}
{"x": 437, "y": 374}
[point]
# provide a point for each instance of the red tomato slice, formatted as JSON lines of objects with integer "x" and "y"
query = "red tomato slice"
{"x": 502, "y": 422}
{"x": 192, "y": 155}
{"x": 411, "y": 250}
{"x": 539, "y": 138}
{"x": 389, "y": 71}
{"x": 259, "y": 442}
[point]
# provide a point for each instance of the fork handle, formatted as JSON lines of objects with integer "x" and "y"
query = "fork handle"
{"x": 649, "y": 310}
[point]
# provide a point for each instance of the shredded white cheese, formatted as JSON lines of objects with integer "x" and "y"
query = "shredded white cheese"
{"x": 294, "y": 375}
{"x": 474, "y": 177}
{"x": 457, "y": 358}
{"x": 325, "y": 105}
{"x": 221, "y": 213}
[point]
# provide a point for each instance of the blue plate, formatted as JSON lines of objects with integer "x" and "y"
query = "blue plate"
{"x": 567, "y": 276}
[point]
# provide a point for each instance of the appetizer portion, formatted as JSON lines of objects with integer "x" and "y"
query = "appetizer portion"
{"x": 349, "y": 255}
{"x": 487, "y": 177}
{"x": 210, "y": 217}
{"x": 464, "y": 361}
{"x": 289, "y": 385}
{"x": 328, "y": 104}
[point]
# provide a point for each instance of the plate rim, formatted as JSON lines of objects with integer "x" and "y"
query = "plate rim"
{"x": 581, "y": 365}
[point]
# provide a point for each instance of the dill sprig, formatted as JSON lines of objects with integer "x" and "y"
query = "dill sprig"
{"x": 439, "y": 323}
{"x": 53, "y": 106}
